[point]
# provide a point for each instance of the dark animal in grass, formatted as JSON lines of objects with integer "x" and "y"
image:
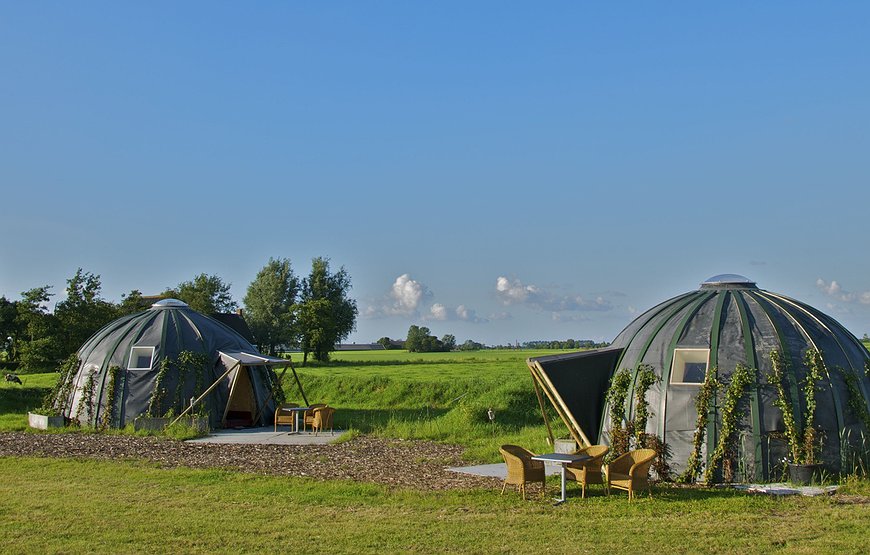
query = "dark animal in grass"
{"x": 13, "y": 378}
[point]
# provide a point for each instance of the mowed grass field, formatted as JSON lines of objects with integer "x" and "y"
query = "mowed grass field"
{"x": 75, "y": 506}
{"x": 436, "y": 396}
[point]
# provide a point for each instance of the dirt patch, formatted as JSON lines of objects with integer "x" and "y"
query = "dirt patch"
{"x": 396, "y": 463}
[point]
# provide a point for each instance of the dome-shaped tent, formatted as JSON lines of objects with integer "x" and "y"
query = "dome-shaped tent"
{"x": 156, "y": 362}
{"x": 728, "y": 322}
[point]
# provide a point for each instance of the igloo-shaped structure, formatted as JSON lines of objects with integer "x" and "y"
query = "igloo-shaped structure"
{"x": 155, "y": 363}
{"x": 727, "y": 322}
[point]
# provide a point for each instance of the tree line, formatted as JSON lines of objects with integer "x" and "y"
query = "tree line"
{"x": 283, "y": 311}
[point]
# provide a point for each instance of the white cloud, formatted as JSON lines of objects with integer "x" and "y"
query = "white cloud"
{"x": 438, "y": 312}
{"x": 404, "y": 299}
{"x": 462, "y": 313}
{"x": 512, "y": 292}
{"x": 834, "y": 289}
{"x": 501, "y": 316}
{"x": 409, "y": 297}
{"x": 408, "y": 293}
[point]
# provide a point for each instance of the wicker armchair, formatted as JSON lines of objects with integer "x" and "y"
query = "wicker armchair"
{"x": 521, "y": 468}
{"x": 322, "y": 419}
{"x": 282, "y": 418}
{"x": 588, "y": 471}
{"x": 308, "y": 418}
{"x": 630, "y": 471}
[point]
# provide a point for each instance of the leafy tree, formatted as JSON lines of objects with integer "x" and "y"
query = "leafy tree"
{"x": 206, "y": 294}
{"x": 326, "y": 314}
{"x": 132, "y": 303}
{"x": 470, "y": 345}
{"x": 420, "y": 340}
{"x": 416, "y": 338}
{"x": 448, "y": 342}
{"x": 82, "y": 312}
{"x": 269, "y": 305}
{"x": 36, "y": 345}
{"x": 386, "y": 342}
{"x": 10, "y": 329}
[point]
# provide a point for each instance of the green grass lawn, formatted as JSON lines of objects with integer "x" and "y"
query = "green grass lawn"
{"x": 70, "y": 506}
{"x": 435, "y": 396}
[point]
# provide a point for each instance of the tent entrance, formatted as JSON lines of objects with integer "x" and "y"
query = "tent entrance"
{"x": 241, "y": 405}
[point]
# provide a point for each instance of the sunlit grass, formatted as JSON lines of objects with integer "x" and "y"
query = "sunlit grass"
{"x": 73, "y": 506}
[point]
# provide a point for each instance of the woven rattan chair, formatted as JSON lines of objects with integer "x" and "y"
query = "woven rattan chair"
{"x": 308, "y": 418}
{"x": 521, "y": 468}
{"x": 630, "y": 472}
{"x": 322, "y": 419}
{"x": 282, "y": 418}
{"x": 588, "y": 471}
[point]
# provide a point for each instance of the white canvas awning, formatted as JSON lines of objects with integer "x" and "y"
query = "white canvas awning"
{"x": 248, "y": 359}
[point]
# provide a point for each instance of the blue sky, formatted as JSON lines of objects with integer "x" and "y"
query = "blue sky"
{"x": 500, "y": 171}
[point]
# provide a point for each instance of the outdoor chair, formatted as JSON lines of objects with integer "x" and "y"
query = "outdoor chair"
{"x": 630, "y": 471}
{"x": 521, "y": 468}
{"x": 308, "y": 417}
{"x": 322, "y": 419}
{"x": 588, "y": 471}
{"x": 282, "y": 418}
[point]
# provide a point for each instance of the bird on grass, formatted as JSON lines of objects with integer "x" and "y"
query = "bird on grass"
{"x": 13, "y": 378}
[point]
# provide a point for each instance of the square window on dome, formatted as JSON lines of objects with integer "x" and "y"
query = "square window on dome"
{"x": 690, "y": 366}
{"x": 141, "y": 358}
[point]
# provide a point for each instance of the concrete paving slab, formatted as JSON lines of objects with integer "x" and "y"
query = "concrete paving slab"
{"x": 781, "y": 489}
{"x": 268, "y": 436}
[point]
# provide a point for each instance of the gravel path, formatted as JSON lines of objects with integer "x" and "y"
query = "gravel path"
{"x": 396, "y": 463}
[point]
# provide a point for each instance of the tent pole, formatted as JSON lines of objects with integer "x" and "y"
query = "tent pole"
{"x": 304, "y": 398}
{"x": 541, "y": 404}
{"x": 207, "y": 391}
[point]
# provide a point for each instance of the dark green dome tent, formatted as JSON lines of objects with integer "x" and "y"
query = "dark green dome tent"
{"x": 154, "y": 363}
{"x": 727, "y": 322}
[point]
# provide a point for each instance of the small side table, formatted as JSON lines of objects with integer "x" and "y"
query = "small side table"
{"x": 563, "y": 460}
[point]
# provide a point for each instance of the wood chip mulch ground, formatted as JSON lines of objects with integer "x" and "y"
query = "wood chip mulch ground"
{"x": 395, "y": 463}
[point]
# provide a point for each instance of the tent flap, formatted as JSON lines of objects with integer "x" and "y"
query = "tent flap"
{"x": 578, "y": 382}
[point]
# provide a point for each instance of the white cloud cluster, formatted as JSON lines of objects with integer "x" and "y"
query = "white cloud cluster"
{"x": 407, "y": 294}
{"x": 404, "y": 299}
{"x": 513, "y": 291}
{"x": 462, "y": 313}
{"x": 409, "y": 297}
{"x": 833, "y": 289}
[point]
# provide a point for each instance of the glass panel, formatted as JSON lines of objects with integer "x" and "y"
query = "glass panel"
{"x": 690, "y": 366}
{"x": 141, "y": 358}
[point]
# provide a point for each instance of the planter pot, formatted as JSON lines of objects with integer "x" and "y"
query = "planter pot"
{"x": 43, "y": 421}
{"x": 803, "y": 474}
{"x": 564, "y": 445}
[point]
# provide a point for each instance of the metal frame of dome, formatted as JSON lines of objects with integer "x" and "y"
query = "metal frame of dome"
{"x": 739, "y": 324}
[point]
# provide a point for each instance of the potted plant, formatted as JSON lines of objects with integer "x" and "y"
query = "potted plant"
{"x": 802, "y": 437}
{"x": 45, "y": 418}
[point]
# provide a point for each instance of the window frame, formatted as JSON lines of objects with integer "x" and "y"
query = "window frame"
{"x": 683, "y": 360}
{"x": 134, "y": 357}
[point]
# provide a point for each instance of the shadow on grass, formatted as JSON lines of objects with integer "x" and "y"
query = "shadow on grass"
{"x": 666, "y": 492}
{"x": 21, "y": 399}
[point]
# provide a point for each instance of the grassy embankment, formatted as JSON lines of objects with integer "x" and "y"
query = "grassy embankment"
{"x": 435, "y": 396}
